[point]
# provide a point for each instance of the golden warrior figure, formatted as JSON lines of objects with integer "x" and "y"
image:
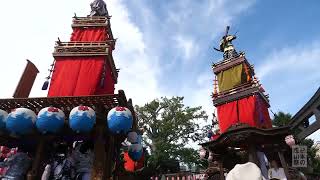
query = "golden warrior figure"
{"x": 226, "y": 45}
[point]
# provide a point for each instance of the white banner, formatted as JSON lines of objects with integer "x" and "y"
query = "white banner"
{"x": 299, "y": 156}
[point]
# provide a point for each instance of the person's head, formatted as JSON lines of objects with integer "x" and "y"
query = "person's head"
{"x": 274, "y": 164}
{"x": 240, "y": 172}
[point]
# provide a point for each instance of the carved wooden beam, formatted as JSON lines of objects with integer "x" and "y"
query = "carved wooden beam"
{"x": 64, "y": 103}
{"x": 90, "y": 21}
{"x": 226, "y": 64}
{"x": 81, "y": 49}
{"x": 239, "y": 94}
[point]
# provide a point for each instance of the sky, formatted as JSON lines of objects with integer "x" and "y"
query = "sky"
{"x": 165, "y": 48}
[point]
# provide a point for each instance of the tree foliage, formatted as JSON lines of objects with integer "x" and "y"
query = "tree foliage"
{"x": 169, "y": 126}
{"x": 281, "y": 119}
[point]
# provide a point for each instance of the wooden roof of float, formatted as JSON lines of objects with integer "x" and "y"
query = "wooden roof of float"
{"x": 243, "y": 135}
{"x": 65, "y": 103}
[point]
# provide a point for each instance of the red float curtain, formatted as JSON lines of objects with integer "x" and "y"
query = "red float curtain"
{"x": 108, "y": 87}
{"x": 252, "y": 110}
{"x": 89, "y": 76}
{"x": 227, "y": 115}
{"x": 81, "y": 76}
{"x": 76, "y": 76}
{"x": 64, "y": 77}
{"x": 93, "y": 34}
{"x": 247, "y": 109}
{"x": 262, "y": 113}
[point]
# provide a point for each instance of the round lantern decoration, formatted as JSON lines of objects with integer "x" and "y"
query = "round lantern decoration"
{"x": 290, "y": 140}
{"x": 135, "y": 152}
{"x": 82, "y": 119}
{"x": 119, "y": 120}
{"x": 3, "y": 118}
{"x": 50, "y": 120}
{"x": 132, "y": 137}
{"x": 21, "y": 121}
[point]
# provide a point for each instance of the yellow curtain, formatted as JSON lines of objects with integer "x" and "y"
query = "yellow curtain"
{"x": 232, "y": 77}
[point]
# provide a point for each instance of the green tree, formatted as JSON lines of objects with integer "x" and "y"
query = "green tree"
{"x": 169, "y": 126}
{"x": 281, "y": 119}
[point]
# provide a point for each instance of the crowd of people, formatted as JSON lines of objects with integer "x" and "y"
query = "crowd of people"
{"x": 251, "y": 171}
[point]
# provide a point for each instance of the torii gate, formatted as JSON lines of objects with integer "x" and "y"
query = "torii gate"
{"x": 300, "y": 121}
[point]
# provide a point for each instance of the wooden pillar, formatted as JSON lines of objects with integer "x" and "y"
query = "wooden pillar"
{"x": 252, "y": 152}
{"x": 284, "y": 164}
{"x": 99, "y": 148}
{"x": 221, "y": 170}
{"x": 109, "y": 159}
{"x": 34, "y": 173}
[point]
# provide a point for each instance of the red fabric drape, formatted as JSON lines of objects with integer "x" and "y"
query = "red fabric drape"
{"x": 64, "y": 77}
{"x": 227, "y": 115}
{"x": 264, "y": 114}
{"x": 78, "y": 76}
{"x": 252, "y": 111}
{"x": 247, "y": 109}
{"x": 108, "y": 87}
{"x": 93, "y": 34}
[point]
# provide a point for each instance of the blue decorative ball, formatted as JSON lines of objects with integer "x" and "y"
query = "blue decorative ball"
{"x": 82, "y": 119}
{"x": 50, "y": 120}
{"x": 135, "y": 152}
{"x": 119, "y": 120}
{"x": 3, "y": 119}
{"x": 21, "y": 121}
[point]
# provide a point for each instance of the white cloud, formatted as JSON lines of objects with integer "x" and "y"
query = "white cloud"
{"x": 302, "y": 58}
{"x": 139, "y": 70}
{"x": 288, "y": 72}
{"x": 188, "y": 48}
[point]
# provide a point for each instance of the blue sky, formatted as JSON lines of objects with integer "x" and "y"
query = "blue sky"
{"x": 165, "y": 48}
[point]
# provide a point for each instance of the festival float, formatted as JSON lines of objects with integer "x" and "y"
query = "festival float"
{"x": 78, "y": 130}
{"x": 244, "y": 130}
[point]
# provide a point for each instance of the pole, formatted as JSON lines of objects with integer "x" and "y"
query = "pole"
{"x": 284, "y": 164}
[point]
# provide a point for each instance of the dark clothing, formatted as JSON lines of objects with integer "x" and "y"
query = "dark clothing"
{"x": 18, "y": 166}
{"x": 98, "y": 8}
